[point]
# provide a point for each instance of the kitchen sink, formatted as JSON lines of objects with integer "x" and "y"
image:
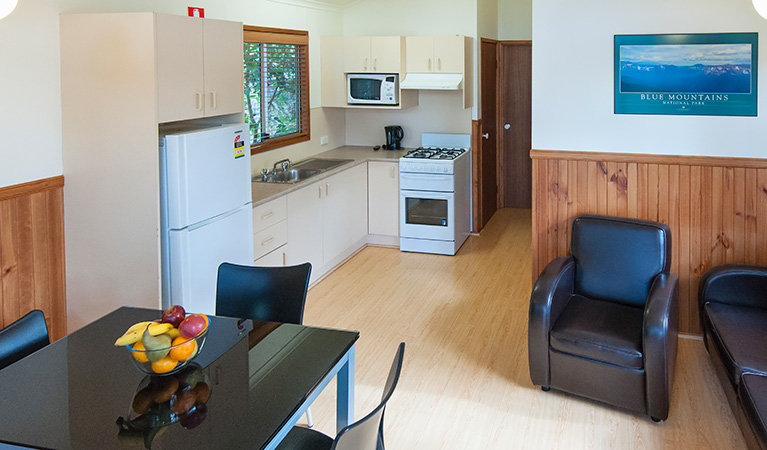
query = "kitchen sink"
{"x": 301, "y": 170}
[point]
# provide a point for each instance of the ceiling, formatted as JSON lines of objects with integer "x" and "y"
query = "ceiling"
{"x": 332, "y": 5}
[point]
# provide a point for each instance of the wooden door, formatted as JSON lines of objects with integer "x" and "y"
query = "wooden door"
{"x": 515, "y": 124}
{"x": 486, "y": 158}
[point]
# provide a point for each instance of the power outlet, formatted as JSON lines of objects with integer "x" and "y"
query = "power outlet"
{"x": 323, "y": 140}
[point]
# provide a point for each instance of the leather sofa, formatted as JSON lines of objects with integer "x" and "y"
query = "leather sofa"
{"x": 603, "y": 321}
{"x": 733, "y": 315}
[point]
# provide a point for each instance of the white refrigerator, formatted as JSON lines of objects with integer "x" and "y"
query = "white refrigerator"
{"x": 206, "y": 214}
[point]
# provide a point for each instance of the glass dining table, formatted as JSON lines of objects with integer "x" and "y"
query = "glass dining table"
{"x": 247, "y": 386}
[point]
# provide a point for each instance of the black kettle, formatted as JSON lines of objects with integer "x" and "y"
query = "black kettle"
{"x": 394, "y": 135}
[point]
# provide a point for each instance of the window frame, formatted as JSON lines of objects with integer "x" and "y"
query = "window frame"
{"x": 265, "y": 35}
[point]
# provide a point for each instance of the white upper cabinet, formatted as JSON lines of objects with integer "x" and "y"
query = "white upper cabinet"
{"x": 439, "y": 54}
{"x": 377, "y": 54}
{"x": 199, "y": 67}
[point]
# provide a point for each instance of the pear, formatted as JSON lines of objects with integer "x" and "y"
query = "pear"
{"x": 157, "y": 347}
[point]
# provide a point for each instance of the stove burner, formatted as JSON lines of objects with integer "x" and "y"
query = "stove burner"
{"x": 435, "y": 153}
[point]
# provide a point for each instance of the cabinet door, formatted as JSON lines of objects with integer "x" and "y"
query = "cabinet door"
{"x": 179, "y": 68}
{"x": 305, "y": 226}
{"x": 448, "y": 54}
{"x": 357, "y": 54}
{"x": 383, "y": 198}
{"x": 419, "y": 54}
{"x": 345, "y": 219}
{"x": 332, "y": 70}
{"x": 222, "y": 67}
{"x": 386, "y": 54}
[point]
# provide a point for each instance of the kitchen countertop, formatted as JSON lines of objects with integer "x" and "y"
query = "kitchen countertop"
{"x": 264, "y": 192}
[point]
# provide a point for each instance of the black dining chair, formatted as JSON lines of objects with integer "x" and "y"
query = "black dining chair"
{"x": 23, "y": 337}
{"x": 365, "y": 434}
{"x": 272, "y": 294}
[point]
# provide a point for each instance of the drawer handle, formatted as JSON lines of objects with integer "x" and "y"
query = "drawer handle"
{"x": 266, "y": 241}
{"x": 267, "y": 215}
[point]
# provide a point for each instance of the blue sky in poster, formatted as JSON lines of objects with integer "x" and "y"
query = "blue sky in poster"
{"x": 687, "y": 55}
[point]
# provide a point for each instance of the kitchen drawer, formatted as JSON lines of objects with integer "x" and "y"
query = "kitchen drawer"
{"x": 268, "y": 214}
{"x": 269, "y": 239}
{"x": 274, "y": 259}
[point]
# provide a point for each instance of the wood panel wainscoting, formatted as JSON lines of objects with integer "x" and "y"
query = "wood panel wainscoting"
{"x": 716, "y": 208}
{"x": 32, "y": 253}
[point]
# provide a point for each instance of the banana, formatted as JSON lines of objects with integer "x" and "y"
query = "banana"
{"x": 136, "y": 331}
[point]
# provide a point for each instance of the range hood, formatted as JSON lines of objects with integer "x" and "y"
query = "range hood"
{"x": 433, "y": 81}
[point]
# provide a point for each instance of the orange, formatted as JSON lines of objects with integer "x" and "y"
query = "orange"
{"x": 164, "y": 365}
{"x": 139, "y": 354}
{"x": 182, "y": 348}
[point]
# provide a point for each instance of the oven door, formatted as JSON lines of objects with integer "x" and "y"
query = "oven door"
{"x": 427, "y": 215}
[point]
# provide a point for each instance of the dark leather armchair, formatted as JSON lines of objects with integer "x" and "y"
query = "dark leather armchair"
{"x": 603, "y": 322}
{"x": 23, "y": 337}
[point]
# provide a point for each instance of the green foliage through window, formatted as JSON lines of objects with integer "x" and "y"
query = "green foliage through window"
{"x": 273, "y": 90}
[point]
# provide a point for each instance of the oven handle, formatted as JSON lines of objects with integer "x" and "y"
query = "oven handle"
{"x": 426, "y": 195}
{"x": 425, "y": 176}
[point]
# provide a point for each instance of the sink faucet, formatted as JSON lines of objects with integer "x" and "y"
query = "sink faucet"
{"x": 284, "y": 163}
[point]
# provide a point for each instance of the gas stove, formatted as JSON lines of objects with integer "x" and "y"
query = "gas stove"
{"x": 435, "y": 187}
{"x": 435, "y": 153}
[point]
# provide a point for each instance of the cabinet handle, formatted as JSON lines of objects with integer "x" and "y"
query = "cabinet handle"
{"x": 365, "y": 64}
{"x": 439, "y": 64}
{"x": 327, "y": 189}
{"x": 267, "y": 215}
{"x": 284, "y": 259}
{"x": 375, "y": 64}
{"x": 213, "y": 100}
{"x": 429, "y": 64}
{"x": 391, "y": 171}
{"x": 320, "y": 188}
{"x": 198, "y": 101}
{"x": 266, "y": 241}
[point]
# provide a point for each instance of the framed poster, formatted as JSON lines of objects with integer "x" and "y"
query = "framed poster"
{"x": 686, "y": 74}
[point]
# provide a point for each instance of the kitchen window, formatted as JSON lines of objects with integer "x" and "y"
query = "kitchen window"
{"x": 276, "y": 69}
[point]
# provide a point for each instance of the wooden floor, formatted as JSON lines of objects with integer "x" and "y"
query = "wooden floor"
{"x": 465, "y": 381}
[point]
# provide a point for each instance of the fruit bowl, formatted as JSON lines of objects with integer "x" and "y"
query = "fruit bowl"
{"x": 167, "y": 360}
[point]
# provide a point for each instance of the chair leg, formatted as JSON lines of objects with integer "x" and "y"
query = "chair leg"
{"x": 309, "y": 419}
{"x": 545, "y": 389}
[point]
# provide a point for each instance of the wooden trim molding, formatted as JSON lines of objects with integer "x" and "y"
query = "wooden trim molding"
{"x": 716, "y": 208}
{"x": 476, "y": 197}
{"x": 32, "y": 253}
{"x": 20, "y": 190}
{"x": 684, "y": 160}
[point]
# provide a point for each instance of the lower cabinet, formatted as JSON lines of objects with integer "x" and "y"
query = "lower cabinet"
{"x": 327, "y": 220}
{"x": 383, "y": 202}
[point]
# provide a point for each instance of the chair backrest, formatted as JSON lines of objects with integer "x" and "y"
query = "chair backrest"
{"x": 23, "y": 337}
{"x": 367, "y": 433}
{"x": 275, "y": 294}
{"x": 617, "y": 258}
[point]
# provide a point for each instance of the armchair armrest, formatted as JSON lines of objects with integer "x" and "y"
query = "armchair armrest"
{"x": 659, "y": 341}
{"x": 734, "y": 284}
{"x": 550, "y": 294}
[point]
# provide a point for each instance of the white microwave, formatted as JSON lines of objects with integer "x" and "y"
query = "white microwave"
{"x": 372, "y": 89}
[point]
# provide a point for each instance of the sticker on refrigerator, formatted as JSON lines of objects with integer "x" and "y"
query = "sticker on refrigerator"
{"x": 239, "y": 147}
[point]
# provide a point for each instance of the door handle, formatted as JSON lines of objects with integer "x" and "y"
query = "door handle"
{"x": 486, "y": 135}
{"x": 507, "y": 126}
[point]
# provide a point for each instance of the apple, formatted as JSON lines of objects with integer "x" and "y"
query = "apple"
{"x": 173, "y": 315}
{"x": 192, "y": 326}
{"x": 194, "y": 417}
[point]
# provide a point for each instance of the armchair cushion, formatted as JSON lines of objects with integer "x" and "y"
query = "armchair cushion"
{"x": 600, "y": 330}
{"x": 617, "y": 258}
{"x": 739, "y": 333}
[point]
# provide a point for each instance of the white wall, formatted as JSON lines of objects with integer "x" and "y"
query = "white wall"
{"x": 573, "y": 79}
{"x": 515, "y": 19}
{"x": 30, "y": 102}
